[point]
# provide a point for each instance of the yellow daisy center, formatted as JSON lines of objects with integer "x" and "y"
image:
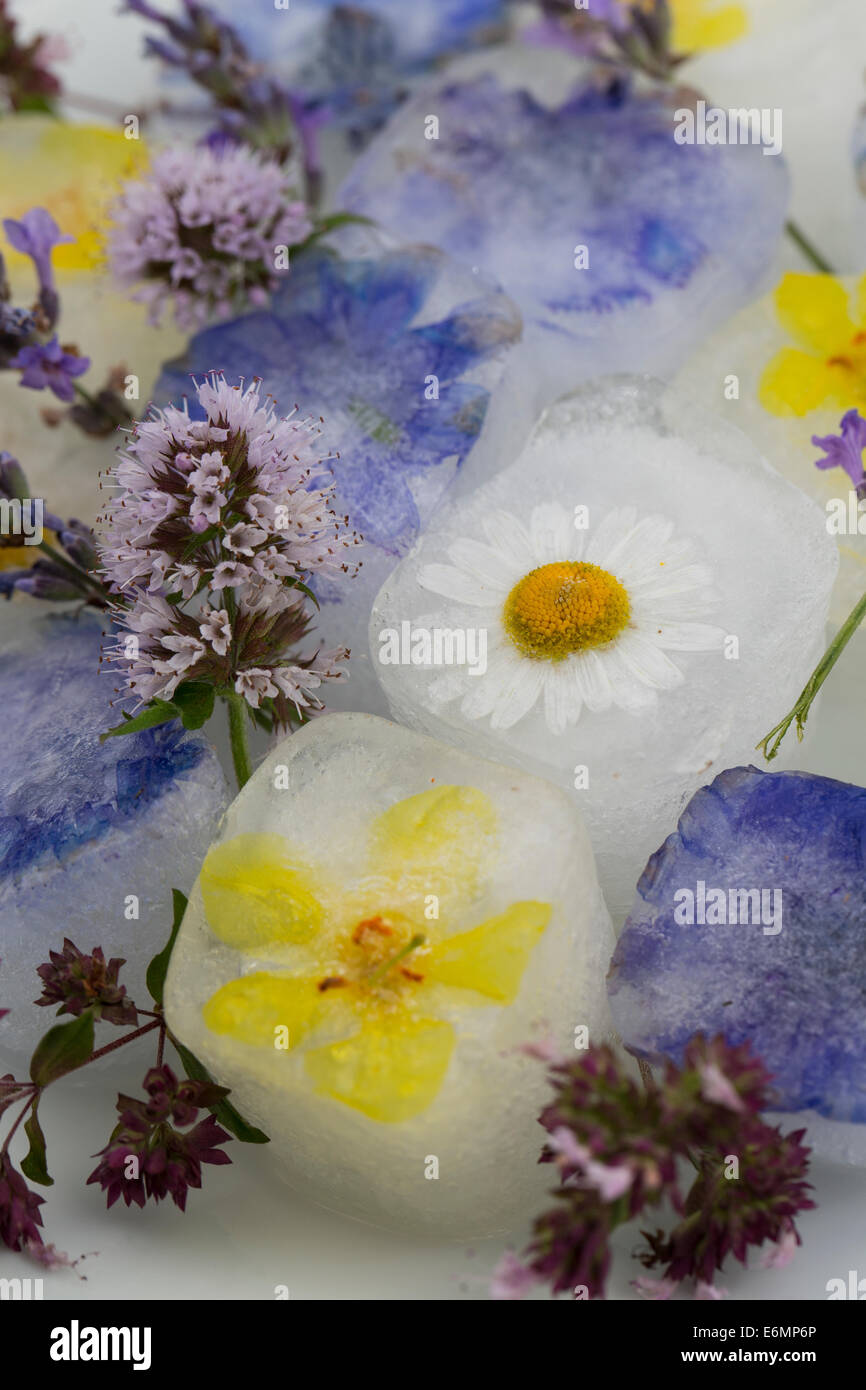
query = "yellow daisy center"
{"x": 565, "y": 607}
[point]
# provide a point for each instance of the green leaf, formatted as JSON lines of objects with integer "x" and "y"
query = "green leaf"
{"x": 35, "y": 1165}
{"x": 63, "y": 1048}
{"x": 305, "y": 589}
{"x": 195, "y": 700}
{"x": 158, "y": 968}
{"x": 230, "y": 1118}
{"x": 157, "y": 712}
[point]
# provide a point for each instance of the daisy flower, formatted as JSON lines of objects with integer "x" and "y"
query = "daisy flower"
{"x": 574, "y": 618}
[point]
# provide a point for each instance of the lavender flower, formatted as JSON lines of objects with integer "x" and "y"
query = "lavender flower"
{"x": 49, "y": 365}
{"x": 62, "y": 575}
{"x": 622, "y": 35}
{"x": 147, "y": 1155}
{"x": 845, "y": 449}
{"x": 230, "y": 515}
{"x": 203, "y": 229}
{"x": 36, "y": 236}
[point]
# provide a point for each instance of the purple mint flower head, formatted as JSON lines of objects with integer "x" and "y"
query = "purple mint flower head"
{"x": 49, "y": 365}
{"x": 77, "y": 982}
{"x": 845, "y": 449}
{"x": 165, "y": 1161}
{"x": 238, "y": 501}
{"x": 202, "y": 231}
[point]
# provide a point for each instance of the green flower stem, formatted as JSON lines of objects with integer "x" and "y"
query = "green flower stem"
{"x": 417, "y": 940}
{"x": 73, "y": 569}
{"x": 800, "y": 712}
{"x": 809, "y": 250}
{"x": 116, "y": 418}
{"x": 238, "y": 736}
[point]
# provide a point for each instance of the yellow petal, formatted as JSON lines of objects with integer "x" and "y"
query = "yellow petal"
{"x": 435, "y": 842}
{"x": 391, "y": 1070}
{"x": 492, "y": 957}
{"x": 256, "y": 892}
{"x": 814, "y": 310}
{"x": 795, "y": 384}
{"x": 252, "y": 1009}
{"x": 695, "y": 27}
{"x": 860, "y": 302}
{"x": 74, "y": 171}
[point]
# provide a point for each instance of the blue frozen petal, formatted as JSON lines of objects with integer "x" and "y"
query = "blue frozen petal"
{"x": 799, "y": 994}
{"x": 342, "y": 340}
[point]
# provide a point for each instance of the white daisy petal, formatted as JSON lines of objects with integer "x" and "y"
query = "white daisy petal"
{"x": 494, "y": 571}
{"x": 647, "y": 663}
{"x": 562, "y": 698}
{"x": 482, "y": 692}
{"x": 454, "y": 584}
{"x": 508, "y": 536}
{"x": 611, "y": 529}
{"x": 594, "y": 677}
{"x": 553, "y": 534}
{"x": 518, "y": 694}
{"x": 644, "y": 544}
{"x": 667, "y": 583}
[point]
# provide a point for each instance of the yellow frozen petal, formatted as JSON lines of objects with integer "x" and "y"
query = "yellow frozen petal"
{"x": 439, "y": 839}
{"x": 390, "y": 1071}
{"x": 697, "y": 26}
{"x": 256, "y": 892}
{"x": 492, "y": 957}
{"x": 814, "y": 310}
{"x": 251, "y": 1009}
{"x": 795, "y": 384}
{"x": 860, "y": 302}
{"x": 74, "y": 171}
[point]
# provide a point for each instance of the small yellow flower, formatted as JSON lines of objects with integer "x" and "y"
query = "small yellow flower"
{"x": 362, "y": 968}
{"x": 75, "y": 172}
{"x": 700, "y": 24}
{"x": 829, "y": 368}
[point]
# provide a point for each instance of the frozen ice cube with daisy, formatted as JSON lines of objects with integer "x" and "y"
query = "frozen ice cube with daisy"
{"x": 623, "y": 610}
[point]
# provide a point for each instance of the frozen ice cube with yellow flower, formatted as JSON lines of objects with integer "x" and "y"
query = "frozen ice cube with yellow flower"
{"x": 382, "y": 924}
{"x": 788, "y": 368}
{"x": 75, "y": 172}
{"x": 626, "y": 609}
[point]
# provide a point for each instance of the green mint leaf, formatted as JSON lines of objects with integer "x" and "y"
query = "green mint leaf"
{"x": 35, "y": 1165}
{"x": 195, "y": 700}
{"x": 158, "y": 968}
{"x": 223, "y": 1111}
{"x": 157, "y": 712}
{"x": 64, "y": 1047}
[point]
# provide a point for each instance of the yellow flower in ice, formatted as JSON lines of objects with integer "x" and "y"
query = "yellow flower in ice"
{"x": 75, "y": 172}
{"x": 362, "y": 969}
{"x": 700, "y": 24}
{"x": 829, "y": 368}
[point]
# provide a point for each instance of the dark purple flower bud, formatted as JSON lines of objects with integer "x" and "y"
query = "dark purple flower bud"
{"x": 77, "y": 982}
{"x": 78, "y": 541}
{"x": 45, "y": 582}
{"x": 13, "y": 483}
{"x": 20, "y": 1218}
{"x": 148, "y": 1157}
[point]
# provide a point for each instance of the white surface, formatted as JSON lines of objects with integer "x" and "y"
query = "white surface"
{"x": 245, "y": 1235}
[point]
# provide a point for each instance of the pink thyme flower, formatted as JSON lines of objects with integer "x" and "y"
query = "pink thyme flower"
{"x": 203, "y": 230}
{"x": 195, "y": 495}
{"x": 512, "y": 1279}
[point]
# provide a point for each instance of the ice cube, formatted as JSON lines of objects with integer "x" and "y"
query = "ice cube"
{"x": 784, "y": 369}
{"x": 397, "y": 350}
{"x": 627, "y": 608}
{"x": 93, "y": 836}
{"x": 622, "y": 247}
{"x": 748, "y": 922}
{"x": 806, "y": 61}
{"x": 382, "y": 924}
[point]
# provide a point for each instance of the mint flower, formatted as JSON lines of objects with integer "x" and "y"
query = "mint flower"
{"x": 204, "y": 230}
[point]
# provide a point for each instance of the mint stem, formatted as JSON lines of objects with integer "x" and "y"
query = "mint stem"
{"x": 808, "y": 248}
{"x": 238, "y": 737}
{"x": 800, "y": 712}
